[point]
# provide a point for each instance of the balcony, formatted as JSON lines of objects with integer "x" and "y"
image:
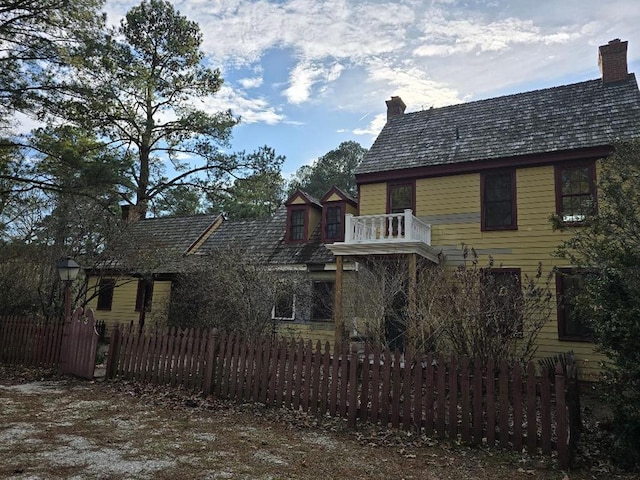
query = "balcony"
{"x": 385, "y": 234}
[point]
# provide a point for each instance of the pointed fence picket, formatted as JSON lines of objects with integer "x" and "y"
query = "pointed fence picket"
{"x": 450, "y": 397}
{"x": 30, "y": 341}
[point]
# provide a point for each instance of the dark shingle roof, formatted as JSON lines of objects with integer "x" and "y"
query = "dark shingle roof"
{"x": 264, "y": 240}
{"x": 586, "y": 114}
{"x": 173, "y": 233}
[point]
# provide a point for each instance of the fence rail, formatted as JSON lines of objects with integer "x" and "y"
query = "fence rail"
{"x": 440, "y": 396}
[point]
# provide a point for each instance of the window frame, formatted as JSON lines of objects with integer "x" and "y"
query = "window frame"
{"x": 340, "y": 223}
{"x": 106, "y": 288}
{"x": 483, "y": 202}
{"x": 293, "y": 310}
{"x": 561, "y": 315}
{"x": 392, "y": 185}
{"x": 305, "y": 222}
{"x": 558, "y": 170}
{"x": 144, "y": 294}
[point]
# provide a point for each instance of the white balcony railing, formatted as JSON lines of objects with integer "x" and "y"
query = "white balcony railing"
{"x": 390, "y": 227}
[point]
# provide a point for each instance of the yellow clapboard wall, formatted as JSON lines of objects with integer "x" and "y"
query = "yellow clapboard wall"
{"x": 452, "y": 205}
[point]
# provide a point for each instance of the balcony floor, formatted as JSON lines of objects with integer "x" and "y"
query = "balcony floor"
{"x": 385, "y": 247}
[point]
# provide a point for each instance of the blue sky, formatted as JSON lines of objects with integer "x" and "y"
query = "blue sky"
{"x": 305, "y": 75}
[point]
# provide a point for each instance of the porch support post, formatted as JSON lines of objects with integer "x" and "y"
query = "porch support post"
{"x": 412, "y": 328}
{"x": 338, "y": 314}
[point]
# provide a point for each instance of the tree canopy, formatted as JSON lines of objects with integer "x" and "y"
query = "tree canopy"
{"x": 333, "y": 168}
{"x": 140, "y": 87}
{"x": 37, "y": 39}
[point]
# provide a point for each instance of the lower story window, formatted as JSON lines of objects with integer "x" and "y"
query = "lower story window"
{"x": 105, "y": 294}
{"x": 285, "y": 308}
{"x": 144, "y": 295}
{"x": 571, "y": 321}
{"x": 502, "y": 301}
{"x": 322, "y": 306}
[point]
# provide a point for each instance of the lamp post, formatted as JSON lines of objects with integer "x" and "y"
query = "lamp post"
{"x": 68, "y": 271}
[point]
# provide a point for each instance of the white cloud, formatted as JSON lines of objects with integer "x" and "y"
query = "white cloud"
{"x": 254, "y": 82}
{"x": 430, "y": 53}
{"x": 374, "y": 126}
{"x": 251, "y": 110}
{"x": 443, "y": 37}
{"x": 305, "y": 75}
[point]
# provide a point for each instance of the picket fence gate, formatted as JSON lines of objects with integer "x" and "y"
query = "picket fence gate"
{"x": 69, "y": 346}
{"x": 436, "y": 395}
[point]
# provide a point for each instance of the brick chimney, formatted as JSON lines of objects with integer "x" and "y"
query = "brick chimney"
{"x": 395, "y": 107}
{"x": 129, "y": 213}
{"x": 612, "y": 60}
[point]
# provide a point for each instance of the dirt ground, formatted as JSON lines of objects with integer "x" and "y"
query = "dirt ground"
{"x": 53, "y": 427}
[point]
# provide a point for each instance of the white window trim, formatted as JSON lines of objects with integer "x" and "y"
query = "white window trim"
{"x": 293, "y": 311}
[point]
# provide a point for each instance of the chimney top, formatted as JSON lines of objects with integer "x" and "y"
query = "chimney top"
{"x": 612, "y": 60}
{"x": 395, "y": 107}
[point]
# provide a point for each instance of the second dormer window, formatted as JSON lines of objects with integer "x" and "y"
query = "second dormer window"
{"x": 297, "y": 230}
{"x": 332, "y": 223}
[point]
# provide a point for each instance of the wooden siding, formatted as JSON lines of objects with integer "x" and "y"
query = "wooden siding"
{"x": 458, "y": 197}
{"x": 123, "y": 306}
{"x": 373, "y": 199}
{"x": 314, "y": 331}
{"x": 315, "y": 217}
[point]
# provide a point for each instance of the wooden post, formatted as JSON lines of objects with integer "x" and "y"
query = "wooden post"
{"x": 338, "y": 314}
{"x": 412, "y": 330}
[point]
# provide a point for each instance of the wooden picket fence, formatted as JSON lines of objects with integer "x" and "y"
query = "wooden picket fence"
{"x": 30, "y": 341}
{"x": 440, "y": 397}
{"x": 70, "y": 346}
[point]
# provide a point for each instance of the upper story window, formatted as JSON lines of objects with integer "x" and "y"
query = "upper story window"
{"x": 105, "y": 294}
{"x": 575, "y": 191}
{"x": 400, "y": 196}
{"x": 498, "y": 200}
{"x": 297, "y": 224}
{"x": 333, "y": 223}
{"x": 571, "y": 324}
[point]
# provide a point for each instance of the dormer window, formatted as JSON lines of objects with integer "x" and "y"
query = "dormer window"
{"x": 303, "y": 216}
{"x": 335, "y": 204}
{"x": 333, "y": 223}
{"x": 297, "y": 230}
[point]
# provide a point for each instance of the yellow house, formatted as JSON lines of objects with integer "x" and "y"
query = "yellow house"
{"x": 137, "y": 289}
{"x": 489, "y": 174}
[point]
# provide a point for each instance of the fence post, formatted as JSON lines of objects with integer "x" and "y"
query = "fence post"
{"x": 561, "y": 420}
{"x": 573, "y": 404}
{"x": 114, "y": 352}
{"x": 353, "y": 387}
{"x": 211, "y": 352}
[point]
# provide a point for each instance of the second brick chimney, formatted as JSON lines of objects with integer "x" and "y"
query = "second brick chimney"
{"x": 395, "y": 107}
{"x": 612, "y": 60}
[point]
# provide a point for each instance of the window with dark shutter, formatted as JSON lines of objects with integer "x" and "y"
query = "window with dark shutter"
{"x": 105, "y": 294}
{"x": 571, "y": 323}
{"x": 144, "y": 295}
